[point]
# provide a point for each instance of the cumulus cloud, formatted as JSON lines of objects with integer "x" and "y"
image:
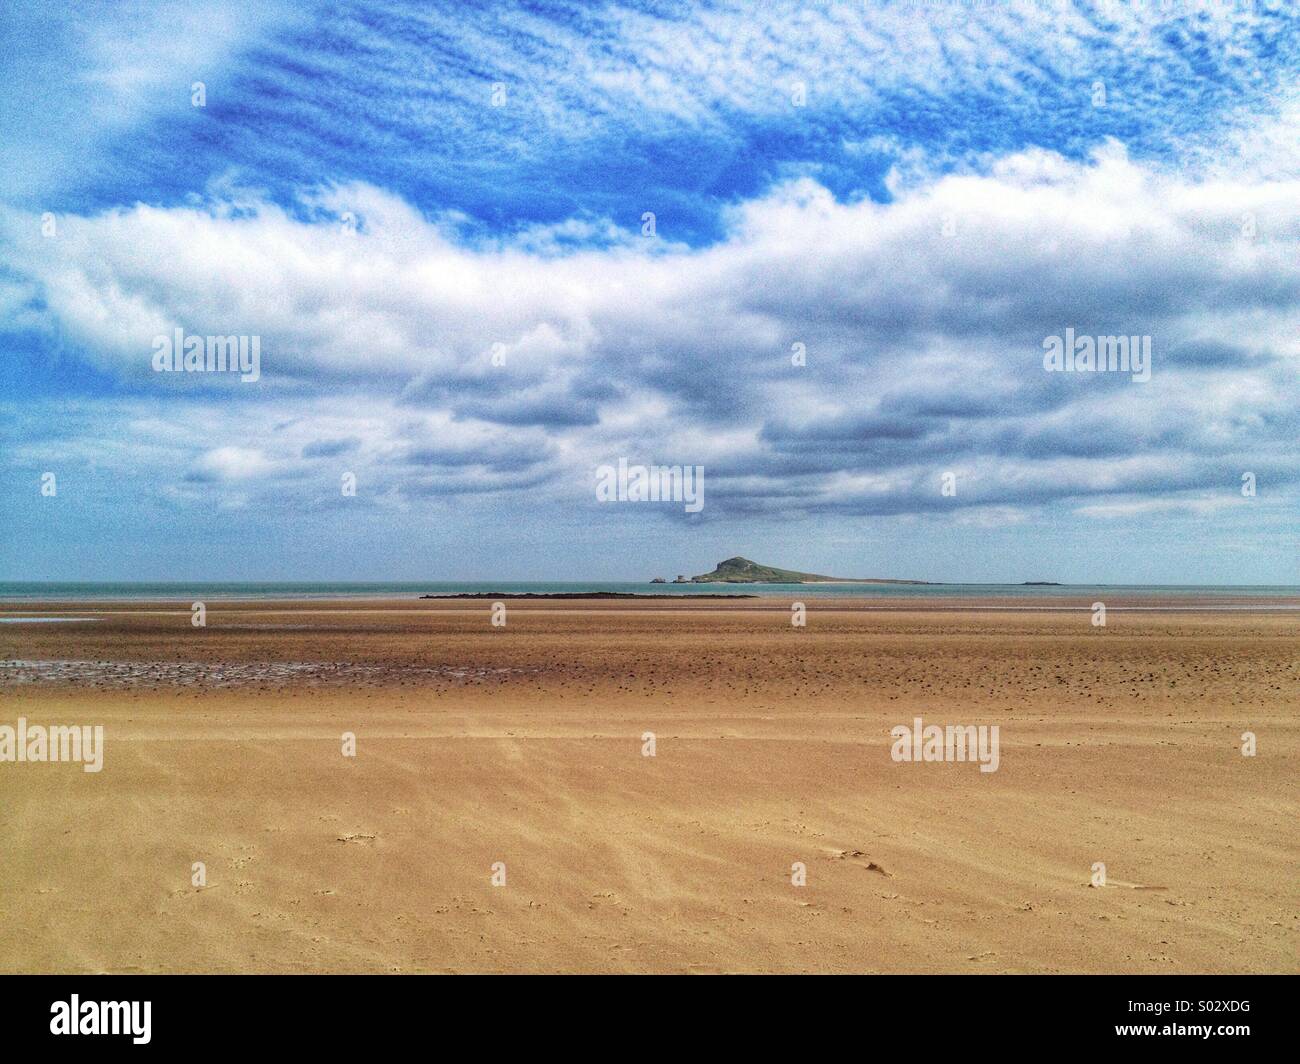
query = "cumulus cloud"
{"x": 447, "y": 368}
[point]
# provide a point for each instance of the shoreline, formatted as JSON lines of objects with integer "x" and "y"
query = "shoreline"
{"x": 12, "y": 611}
{"x": 17, "y": 592}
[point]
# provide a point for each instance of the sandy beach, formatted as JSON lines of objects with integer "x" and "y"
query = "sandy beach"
{"x": 524, "y": 745}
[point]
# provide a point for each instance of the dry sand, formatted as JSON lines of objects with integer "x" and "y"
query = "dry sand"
{"x": 523, "y": 745}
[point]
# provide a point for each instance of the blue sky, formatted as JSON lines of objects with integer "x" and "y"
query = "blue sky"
{"x": 433, "y": 219}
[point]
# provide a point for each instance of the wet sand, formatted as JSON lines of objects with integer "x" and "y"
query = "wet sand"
{"x": 523, "y": 745}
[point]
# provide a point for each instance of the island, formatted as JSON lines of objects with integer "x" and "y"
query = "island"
{"x": 743, "y": 571}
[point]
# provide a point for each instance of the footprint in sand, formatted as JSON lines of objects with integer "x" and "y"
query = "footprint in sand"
{"x": 1128, "y": 886}
{"x": 859, "y": 858}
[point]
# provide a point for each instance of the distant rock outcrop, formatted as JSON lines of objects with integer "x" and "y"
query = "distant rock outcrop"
{"x": 743, "y": 571}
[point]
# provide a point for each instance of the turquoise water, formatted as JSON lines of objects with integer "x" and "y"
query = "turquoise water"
{"x": 28, "y": 591}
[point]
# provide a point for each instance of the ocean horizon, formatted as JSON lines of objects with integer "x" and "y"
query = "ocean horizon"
{"x": 48, "y": 591}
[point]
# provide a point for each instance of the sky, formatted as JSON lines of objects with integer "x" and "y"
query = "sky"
{"x": 819, "y": 251}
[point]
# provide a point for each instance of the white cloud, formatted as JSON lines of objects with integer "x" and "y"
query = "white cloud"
{"x": 923, "y": 321}
{"x": 91, "y": 76}
{"x": 233, "y": 463}
{"x": 1201, "y": 506}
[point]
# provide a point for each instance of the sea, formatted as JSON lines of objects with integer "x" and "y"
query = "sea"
{"x": 188, "y": 592}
